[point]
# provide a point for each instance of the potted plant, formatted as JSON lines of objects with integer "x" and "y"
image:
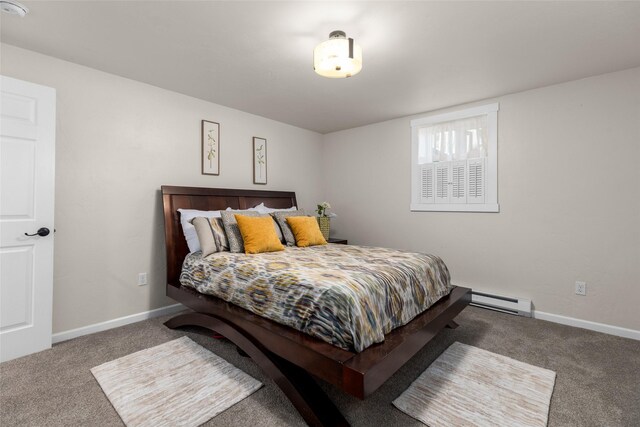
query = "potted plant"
{"x": 324, "y": 218}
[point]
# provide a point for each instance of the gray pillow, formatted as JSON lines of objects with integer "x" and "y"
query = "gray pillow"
{"x": 236, "y": 244}
{"x": 278, "y": 231}
{"x": 284, "y": 225}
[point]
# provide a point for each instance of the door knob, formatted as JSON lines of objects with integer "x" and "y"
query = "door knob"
{"x": 44, "y": 231}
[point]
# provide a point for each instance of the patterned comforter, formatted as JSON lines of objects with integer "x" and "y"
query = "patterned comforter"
{"x": 349, "y": 296}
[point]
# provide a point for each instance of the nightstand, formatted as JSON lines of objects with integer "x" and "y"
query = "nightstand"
{"x": 338, "y": 241}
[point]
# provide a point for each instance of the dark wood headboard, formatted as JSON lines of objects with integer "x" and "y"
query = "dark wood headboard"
{"x": 207, "y": 199}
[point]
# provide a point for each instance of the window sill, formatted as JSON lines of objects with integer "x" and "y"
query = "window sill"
{"x": 452, "y": 207}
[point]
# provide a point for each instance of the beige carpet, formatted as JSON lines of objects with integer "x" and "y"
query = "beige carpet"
{"x": 467, "y": 386}
{"x": 178, "y": 383}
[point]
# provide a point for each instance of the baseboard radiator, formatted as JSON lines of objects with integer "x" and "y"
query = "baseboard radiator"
{"x": 517, "y": 306}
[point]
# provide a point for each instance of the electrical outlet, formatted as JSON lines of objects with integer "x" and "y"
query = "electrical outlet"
{"x": 142, "y": 279}
{"x": 581, "y": 288}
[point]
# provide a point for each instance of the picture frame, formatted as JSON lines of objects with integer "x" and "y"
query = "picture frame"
{"x": 210, "y": 148}
{"x": 259, "y": 160}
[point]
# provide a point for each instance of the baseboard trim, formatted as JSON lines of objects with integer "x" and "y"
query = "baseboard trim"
{"x": 175, "y": 308}
{"x": 114, "y": 323}
{"x": 586, "y": 324}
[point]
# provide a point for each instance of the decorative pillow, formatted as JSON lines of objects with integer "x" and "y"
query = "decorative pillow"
{"x": 258, "y": 234}
{"x": 277, "y": 228}
{"x": 281, "y": 219}
{"x": 189, "y": 231}
{"x": 306, "y": 231}
{"x": 205, "y": 235}
{"x": 217, "y": 227}
{"x": 231, "y": 228}
{"x": 211, "y": 235}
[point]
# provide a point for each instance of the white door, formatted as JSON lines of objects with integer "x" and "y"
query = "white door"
{"x": 27, "y": 161}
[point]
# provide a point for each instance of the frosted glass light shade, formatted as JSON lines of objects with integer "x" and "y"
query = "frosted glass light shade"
{"x": 338, "y": 57}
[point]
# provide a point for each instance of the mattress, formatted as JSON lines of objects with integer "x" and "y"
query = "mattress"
{"x": 349, "y": 296}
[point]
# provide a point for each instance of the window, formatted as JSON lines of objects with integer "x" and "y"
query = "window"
{"x": 454, "y": 161}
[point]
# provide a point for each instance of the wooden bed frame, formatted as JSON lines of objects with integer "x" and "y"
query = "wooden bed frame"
{"x": 292, "y": 358}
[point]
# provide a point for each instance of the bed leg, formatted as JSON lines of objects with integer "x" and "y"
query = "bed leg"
{"x": 297, "y": 384}
{"x": 452, "y": 325}
{"x": 306, "y": 395}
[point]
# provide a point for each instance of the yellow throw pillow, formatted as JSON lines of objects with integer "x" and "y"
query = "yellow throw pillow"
{"x": 258, "y": 234}
{"x": 306, "y": 231}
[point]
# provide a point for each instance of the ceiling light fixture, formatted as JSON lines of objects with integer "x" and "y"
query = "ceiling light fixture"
{"x": 338, "y": 57}
{"x": 14, "y": 8}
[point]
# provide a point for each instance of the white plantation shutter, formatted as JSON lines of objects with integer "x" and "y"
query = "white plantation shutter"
{"x": 426, "y": 183}
{"x": 454, "y": 161}
{"x": 442, "y": 182}
{"x": 458, "y": 179}
{"x": 476, "y": 180}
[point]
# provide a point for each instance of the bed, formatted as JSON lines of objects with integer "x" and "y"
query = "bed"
{"x": 289, "y": 356}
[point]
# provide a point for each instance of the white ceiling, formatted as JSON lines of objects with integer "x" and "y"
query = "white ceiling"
{"x": 257, "y": 56}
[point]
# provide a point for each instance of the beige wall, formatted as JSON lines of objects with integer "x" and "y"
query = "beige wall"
{"x": 569, "y": 194}
{"x": 117, "y": 142}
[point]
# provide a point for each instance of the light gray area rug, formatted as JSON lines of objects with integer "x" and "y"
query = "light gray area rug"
{"x": 178, "y": 383}
{"x": 467, "y": 386}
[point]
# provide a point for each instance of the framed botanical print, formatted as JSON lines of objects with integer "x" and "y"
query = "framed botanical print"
{"x": 210, "y": 148}
{"x": 259, "y": 160}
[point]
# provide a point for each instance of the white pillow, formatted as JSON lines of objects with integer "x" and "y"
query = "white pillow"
{"x": 189, "y": 231}
{"x": 261, "y": 208}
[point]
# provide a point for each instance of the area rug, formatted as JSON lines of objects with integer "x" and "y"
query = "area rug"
{"x": 467, "y": 386}
{"x": 178, "y": 383}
